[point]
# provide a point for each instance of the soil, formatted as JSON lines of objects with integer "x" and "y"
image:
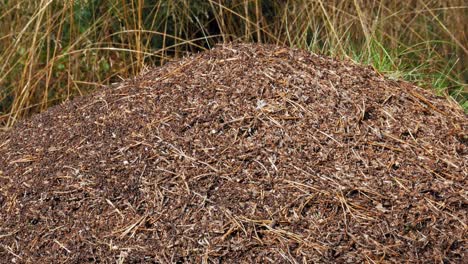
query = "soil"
{"x": 243, "y": 154}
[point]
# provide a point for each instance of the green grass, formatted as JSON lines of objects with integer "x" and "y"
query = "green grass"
{"x": 51, "y": 50}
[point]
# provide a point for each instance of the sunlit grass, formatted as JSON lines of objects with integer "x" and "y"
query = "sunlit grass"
{"x": 53, "y": 50}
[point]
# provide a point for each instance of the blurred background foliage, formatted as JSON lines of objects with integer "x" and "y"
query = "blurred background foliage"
{"x": 52, "y": 50}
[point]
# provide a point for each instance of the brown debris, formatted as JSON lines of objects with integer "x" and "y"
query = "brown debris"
{"x": 245, "y": 153}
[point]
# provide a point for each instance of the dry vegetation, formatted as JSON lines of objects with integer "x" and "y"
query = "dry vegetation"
{"x": 53, "y": 50}
{"x": 243, "y": 154}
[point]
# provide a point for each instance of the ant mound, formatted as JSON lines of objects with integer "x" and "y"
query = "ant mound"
{"x": 242, "y": 154}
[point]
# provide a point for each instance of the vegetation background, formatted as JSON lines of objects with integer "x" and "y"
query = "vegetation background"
{"x": 52, "y": 50}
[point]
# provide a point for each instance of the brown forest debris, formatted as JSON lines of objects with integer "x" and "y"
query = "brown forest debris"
{"x": 246, "y": 153}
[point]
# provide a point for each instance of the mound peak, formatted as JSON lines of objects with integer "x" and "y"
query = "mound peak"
{"x": 245, "y": 153}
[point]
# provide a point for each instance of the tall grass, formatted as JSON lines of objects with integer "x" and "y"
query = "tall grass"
{"x": 53, "y": 50}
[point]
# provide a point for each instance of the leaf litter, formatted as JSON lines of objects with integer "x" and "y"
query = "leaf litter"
{"x": 245, "y": 153}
